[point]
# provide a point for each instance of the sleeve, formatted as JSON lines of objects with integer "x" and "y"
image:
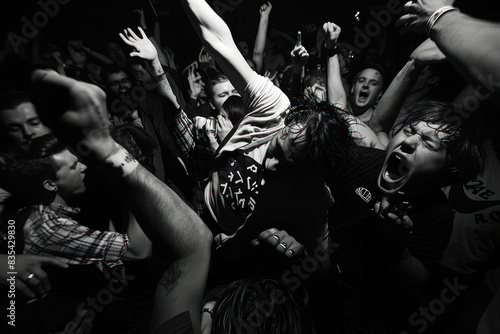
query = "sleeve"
{"x": 266, "y": 107}
{"x": 78, "y": 244}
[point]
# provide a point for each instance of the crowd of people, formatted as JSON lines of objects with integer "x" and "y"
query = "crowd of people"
{"x": 254, "y": 190}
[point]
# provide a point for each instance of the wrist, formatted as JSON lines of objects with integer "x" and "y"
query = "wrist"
{"x": 332, "y": 51}
{"x": 297, "y": 69}
{"x": 437, "y": 16}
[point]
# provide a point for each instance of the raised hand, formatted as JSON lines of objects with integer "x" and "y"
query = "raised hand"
{"x": 427, "y": 53}
{"x": 265, "y": 9}
{"x": 299, "y": 54}
{"x": 142, "y": 17}
{"x": 331, "y": 33}
{"x": 144, "y": 49}
{"x": 195, "y": 82}
{"x": 419, "y": 12}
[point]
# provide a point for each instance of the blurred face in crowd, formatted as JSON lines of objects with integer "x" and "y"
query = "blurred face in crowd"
{"x": 220, "y": 92}
{"x": 116, "y": 53}
{"x": 70, "y": 174}
{"x": 417, "y": 152}
{"x": 244, "y": 48}
{"x": 366, "y": 90}
{"x": 118, "y": 83}
{"x": 94, "y": 71}
{"x": 21, "y": 124}
{"x": 139, "y": 73}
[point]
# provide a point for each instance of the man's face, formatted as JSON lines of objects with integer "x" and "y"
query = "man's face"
{"x": 21, "y": 124}
{"x": 220, "y": 92}
{"x": 70, "y": 174}
{"x": 287, "y": 148}
{"x": 118, "y": 83}
{"x": 366, "y": 89}
{"x": 418, "y": 153}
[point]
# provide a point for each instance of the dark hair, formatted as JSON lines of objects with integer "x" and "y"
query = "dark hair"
{"x": 12, "y": 99}
{"x": 234, "y": 108}
{"x": 26, "y": 170}
{"x": 330, "y": 144}
{"x": 109, "y": 69}
{"x": 214, "y": 80}
{"x": 137, "y": 142}
{"x": 260, "y": 305}
{"x": 464, "y": 153}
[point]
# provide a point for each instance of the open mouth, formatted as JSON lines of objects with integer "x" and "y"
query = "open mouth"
{"x": 394, "y": 174}
{"x": 363, "y": 95}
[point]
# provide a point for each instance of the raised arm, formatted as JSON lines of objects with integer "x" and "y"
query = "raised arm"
{"x": 217, "y": 38}
{"x": 260, "y": 39}
{"x": 179, "y": 234}
{"x": 390, "y": 103}
{"x": 146, "y": 50}
{"x": 471, "y": 45}
{"x": 335, "y": 88}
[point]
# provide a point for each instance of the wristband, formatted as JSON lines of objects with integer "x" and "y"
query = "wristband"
{"x": 122, "y": 161}
{"x": 435, "y": 16}
{"x": 332, "y": 52}
{"x": 158, "y": 77}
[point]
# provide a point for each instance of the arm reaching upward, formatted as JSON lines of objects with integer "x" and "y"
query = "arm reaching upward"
{"x": 336, "y": 92}
{"x": 217, "y": 38}
{"x": 390, "y": 103}
{"x": 471, "y": 45}
{"x": 260, "y": 40}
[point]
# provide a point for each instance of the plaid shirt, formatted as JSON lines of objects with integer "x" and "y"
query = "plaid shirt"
{"x": 198, "y": 157}
{"x": 51, "y": 231}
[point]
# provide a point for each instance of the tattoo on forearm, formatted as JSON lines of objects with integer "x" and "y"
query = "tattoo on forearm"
{"x": 170, "y": 277}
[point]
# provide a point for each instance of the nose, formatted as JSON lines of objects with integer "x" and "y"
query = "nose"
{"x": 410, "y": 144}
{"x": 83, "y": 167}
{"x": 28, "y": 132}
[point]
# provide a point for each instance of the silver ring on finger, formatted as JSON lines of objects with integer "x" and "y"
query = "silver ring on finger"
{"x": 30, "y": 276}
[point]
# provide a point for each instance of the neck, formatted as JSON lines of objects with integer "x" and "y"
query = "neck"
{"x": 59, "y": 200}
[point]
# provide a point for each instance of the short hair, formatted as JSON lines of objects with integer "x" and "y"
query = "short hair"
{"x": 233, "y": 106}
{"x": 214, "y": 80}
{"x": 109, "y": 69}
{"x": 12, "y": 99}
{"x": 330, "y": 144}
{"x": 464, "y": 153}
{"x": 260, "y": 304}
{"x": 373, "y": 66}
{"x": 26, "y": 170}
{"x": 137, "y": 142}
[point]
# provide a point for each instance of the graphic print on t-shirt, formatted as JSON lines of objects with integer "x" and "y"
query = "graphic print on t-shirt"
{"x": 240, "y": 181}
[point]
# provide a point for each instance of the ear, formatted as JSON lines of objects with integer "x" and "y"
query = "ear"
{"x": 50, "y": 185}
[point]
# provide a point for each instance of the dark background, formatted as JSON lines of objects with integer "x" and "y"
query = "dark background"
{"x": 97, "y": 22}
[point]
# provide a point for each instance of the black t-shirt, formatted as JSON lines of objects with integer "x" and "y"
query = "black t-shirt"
{"x": 360, "y": 239}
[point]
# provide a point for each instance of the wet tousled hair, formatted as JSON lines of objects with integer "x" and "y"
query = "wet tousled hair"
{"x": 233, "y": 106}
{"x": 12, "y": 99}
{"x": 26, "y": 170}
{"x": 260, "y": 305}
{"x": 464, "y": 153}
{"x": 329, "y": 141}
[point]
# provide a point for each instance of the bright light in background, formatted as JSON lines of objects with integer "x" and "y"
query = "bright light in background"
{"x": 356, "y": 16}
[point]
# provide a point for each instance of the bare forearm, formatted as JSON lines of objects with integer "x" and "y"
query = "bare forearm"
{"x": 260, "y": 43}
{"x": 391, "y": 102}
{"x": 472, "y": 46}
{"x": 217, "y": 38}
{"x": 336, "y": 92}
{"x": 164, "y": 88}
